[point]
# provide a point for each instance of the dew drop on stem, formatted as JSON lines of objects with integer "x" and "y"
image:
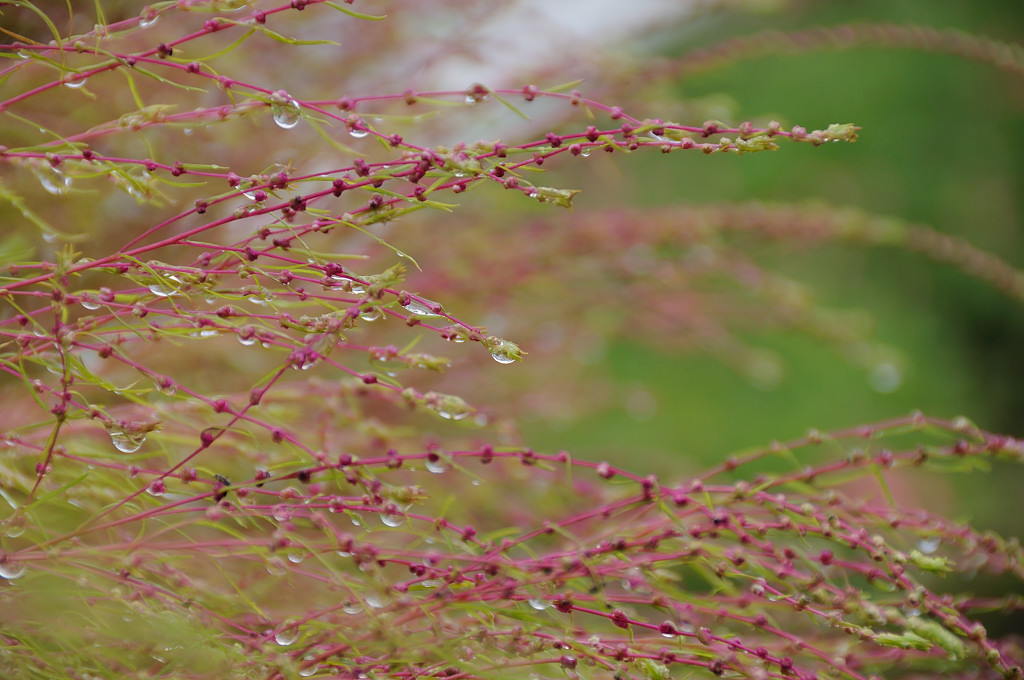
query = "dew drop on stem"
{"x": 161, "y": 290}
{"x": 11, "y": 570}
{"x": 436, "y": 466}
{"x": 248, "y": 189}
{"x": 75, "y": 81}
{"x": 423, "y": 308}
{"x": 286, "y": 110}
{"x": 288, "y": 634}
{"x": 13, "y": 526}
{"x": 148, "y": 18}
{"x": 90, "y": 303}
{"x": 127, "y": 443}
{"x": 53, "y": 180}
{"x": 538, "y": 603}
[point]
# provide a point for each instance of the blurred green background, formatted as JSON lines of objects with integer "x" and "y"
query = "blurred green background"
{"x": 940, "y": 146}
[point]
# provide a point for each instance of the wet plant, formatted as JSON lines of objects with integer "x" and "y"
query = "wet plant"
{"x": 251, "y": 425}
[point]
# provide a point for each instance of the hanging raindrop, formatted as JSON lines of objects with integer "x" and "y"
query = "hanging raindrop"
{"x": 288, "y": 634}
{"x": 53, "y": 180}
{"x": 287, "y": 111}
{"x": 502, "y": 358}
{"x": 161, "y": 290}
{"x": 89, "y": 303}
{"x": 540, "y": 604}
{"x": 75, "y": 81}
{"x": 436, "y": 466}
{"x": 148, "y": 18}
{"x": 11, "y": 570}
{"x": 127, "y": 443}
{"x": 424, "y": 308}
{"x": 311, "y": 669}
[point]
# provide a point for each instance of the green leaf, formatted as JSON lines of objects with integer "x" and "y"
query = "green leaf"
{"x": 564, "y": 86}
{"x": 353, "y": 13}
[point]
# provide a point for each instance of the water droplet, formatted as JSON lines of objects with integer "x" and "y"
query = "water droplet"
{"x": 53, "y": 180}
{"x": 533, "y": 194}
{"x": 288, "y": 634}
{"x": 586, "y": 151}
{"x": 371, "y": 314}
{"x": 11, "y": 570}
{"x": 287, "y": 111}
{"x": 375, "y": 600}
{"x": 502, "y": 358}
{"x": 148, "y": 18}
{"x": 928, "y": 545}
{"x": 352, "y": 608}
{"x": 161, "y": 290}
{"x": 311, "y": 669}
{"x": 248, "y": 189}
{"x": 89, "y": 303}
{"x": 127, "y": 442}
{"x": 75, "y": 81}
{"x": 187, "y": 130}
{"x": 357, "y": 132}
{"x": 392, "y": 519}
{"x": 538, "y": 603}
{"x": 424, "y": 308}
{"x": 167, "y": 386}
{"x": 281, "y": 513}
{"x": 296, "y": 558}
{"x": 14, "y": 526}
{"x": 246, "y": 336}
{"x": 275, "y": 566}
{"x": 156, "y": 488}
{"x": 437, "y": 466}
